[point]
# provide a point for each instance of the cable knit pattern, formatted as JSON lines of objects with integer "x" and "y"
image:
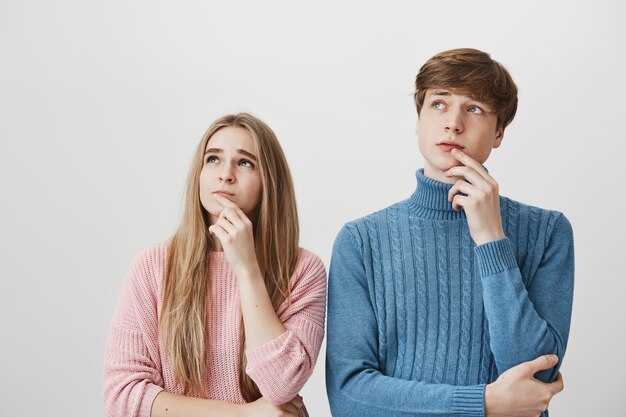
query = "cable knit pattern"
{"x": 417, "y": 236}
{"x": 400, "y": 291}
{"x": 420, "y": 319}
{"x": 137, "y": 366}
{"x": 467, "y": 313}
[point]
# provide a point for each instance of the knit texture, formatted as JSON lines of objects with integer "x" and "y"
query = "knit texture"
{"x": 137, "y": 366}
{"x": 420, "y": 319}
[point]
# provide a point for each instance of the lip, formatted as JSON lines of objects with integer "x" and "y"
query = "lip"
{"x": 224, "y": 193}
{"x": 448, "y": 146}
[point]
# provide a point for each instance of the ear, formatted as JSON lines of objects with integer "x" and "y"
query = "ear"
{"x": 498, "y": 139}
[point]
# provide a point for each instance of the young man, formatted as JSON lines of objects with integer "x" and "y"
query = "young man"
{"x": 455, "y": 301}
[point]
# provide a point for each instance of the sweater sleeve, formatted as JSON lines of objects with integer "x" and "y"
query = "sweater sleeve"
{"x": 525, "y": 323}
{"x": 355, "y": 383}
{"x": 281, "y": 366}
{"x": 132, "y": 378}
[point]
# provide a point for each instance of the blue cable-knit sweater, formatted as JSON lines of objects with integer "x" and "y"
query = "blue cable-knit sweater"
{"x": 420, "y": 319}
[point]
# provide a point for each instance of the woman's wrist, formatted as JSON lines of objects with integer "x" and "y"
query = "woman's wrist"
{"x": 166, "y": 403}
{"x": 240, "y": 410}
{"x": 249, "y": 273}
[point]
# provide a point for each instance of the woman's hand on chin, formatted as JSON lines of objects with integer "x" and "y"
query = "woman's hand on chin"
{"x": 234, "y": 230}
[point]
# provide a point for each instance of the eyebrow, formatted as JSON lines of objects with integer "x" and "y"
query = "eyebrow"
{"x": 447, "y": 93}
{"x": 240, "y": 151}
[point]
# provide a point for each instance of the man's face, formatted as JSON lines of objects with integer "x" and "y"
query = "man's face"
{"x": 450, "y": 120}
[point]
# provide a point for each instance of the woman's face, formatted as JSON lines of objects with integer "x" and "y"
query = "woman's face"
{"x": 230, "y": 169}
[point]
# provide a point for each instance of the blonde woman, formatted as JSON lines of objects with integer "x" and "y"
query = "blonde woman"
{"x": 227, "y": 317}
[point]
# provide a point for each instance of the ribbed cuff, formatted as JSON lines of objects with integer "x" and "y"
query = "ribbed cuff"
{"x": 495, "y": 257}
{"x": 148, "y": 399}
{"x": 259, "y": 356}
{"x": 274, "y": 367}
{"x": 469, "y": 401}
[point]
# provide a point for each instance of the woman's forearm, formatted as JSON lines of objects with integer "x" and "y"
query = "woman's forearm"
{"x": 261, "y": 324}
{"x": 167, "y": 404}
{"x": 282, "y": 347}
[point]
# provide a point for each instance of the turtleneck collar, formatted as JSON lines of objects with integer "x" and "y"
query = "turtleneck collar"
{"x": 430, "y": 199}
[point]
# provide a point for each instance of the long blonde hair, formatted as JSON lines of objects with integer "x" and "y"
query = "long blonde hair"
{"x": 186, "y": 280}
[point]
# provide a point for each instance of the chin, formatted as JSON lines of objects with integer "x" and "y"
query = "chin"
{"x": 445, "y": 164}
{"x": 212, "y": 208}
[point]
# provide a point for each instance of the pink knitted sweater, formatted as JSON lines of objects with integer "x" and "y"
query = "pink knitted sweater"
{"x": 137, "y": 366}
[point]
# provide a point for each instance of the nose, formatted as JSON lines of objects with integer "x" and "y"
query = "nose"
{"x": 227, "y": 174}
{"x": 454, "y": 120}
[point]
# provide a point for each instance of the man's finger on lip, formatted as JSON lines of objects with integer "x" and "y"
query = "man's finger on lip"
{"x": 458, "y": 153}
{"x": 464, "y": 158}
{"x": 470, "y": 162}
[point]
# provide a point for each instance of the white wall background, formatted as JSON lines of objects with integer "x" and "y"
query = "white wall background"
{"x": 102, "y": 104}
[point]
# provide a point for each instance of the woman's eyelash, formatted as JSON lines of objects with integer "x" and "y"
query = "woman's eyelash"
{"x": 245, "y": 161}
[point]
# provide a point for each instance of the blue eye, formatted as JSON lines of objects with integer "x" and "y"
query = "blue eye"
{"x": 438, "y": 105}
{"x": 211, "y": 159}
{"x": 246, "y": 163}
{"x": 475, "y": 110}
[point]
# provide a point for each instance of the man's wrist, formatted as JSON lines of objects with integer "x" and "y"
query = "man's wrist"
{"x": 482, "y": 239}
{"x": 490, "y": 400}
